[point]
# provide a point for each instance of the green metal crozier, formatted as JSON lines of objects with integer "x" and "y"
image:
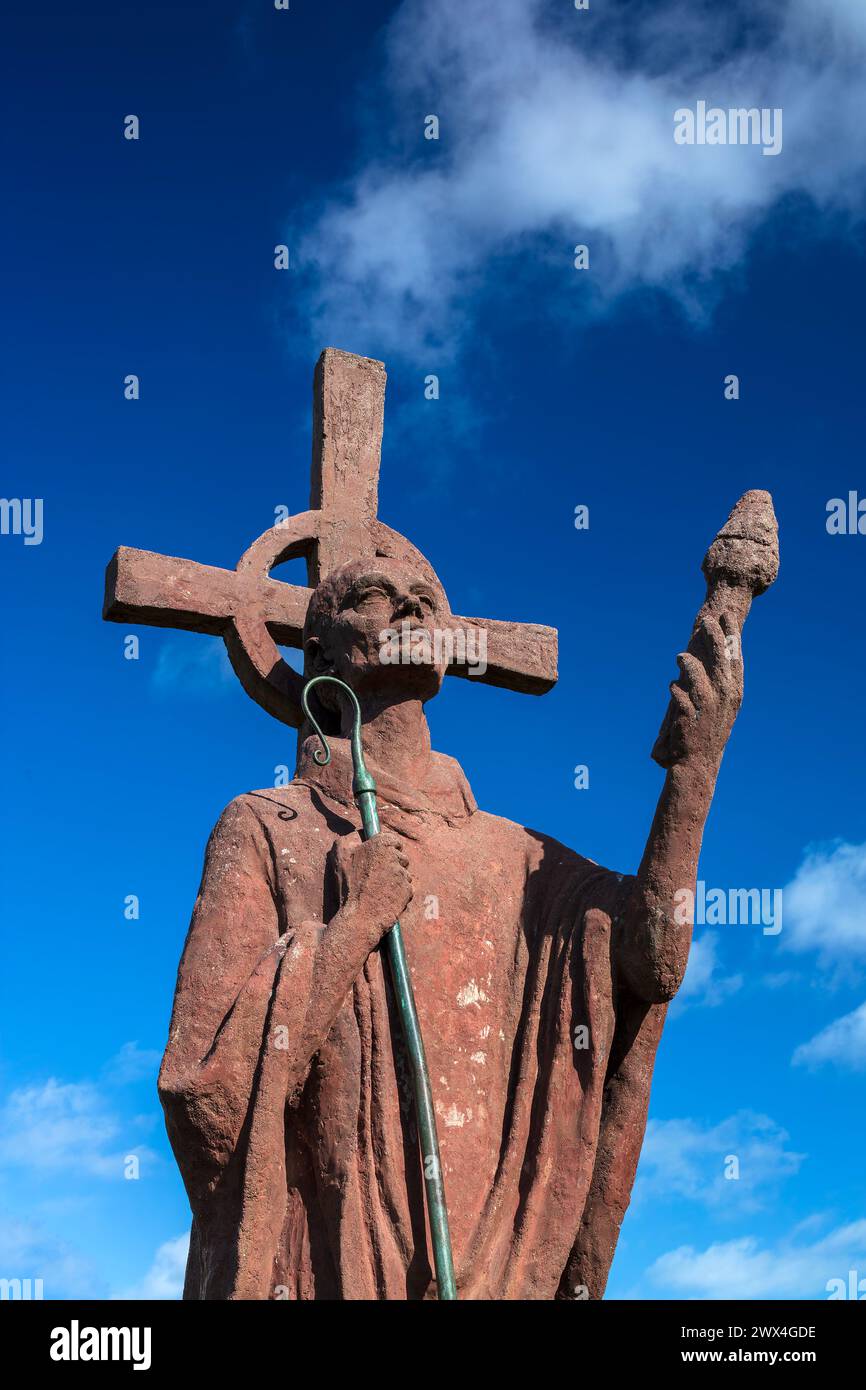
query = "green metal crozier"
{"x": 364, "y": 791}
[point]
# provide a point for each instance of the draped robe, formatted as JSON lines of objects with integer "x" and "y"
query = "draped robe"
{"x": 285, "y": 1083}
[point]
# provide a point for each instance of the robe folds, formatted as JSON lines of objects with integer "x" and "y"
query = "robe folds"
{"x": 285, "y": 1083}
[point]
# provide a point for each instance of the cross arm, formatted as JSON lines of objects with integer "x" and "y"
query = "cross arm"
{"x": 519, "y": 656}
{"x": 162, "y": 591}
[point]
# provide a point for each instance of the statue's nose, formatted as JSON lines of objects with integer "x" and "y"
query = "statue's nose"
{"x": 408, "y": 606}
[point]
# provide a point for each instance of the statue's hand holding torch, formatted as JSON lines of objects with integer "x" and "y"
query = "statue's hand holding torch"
{"x": 742, "y": 561}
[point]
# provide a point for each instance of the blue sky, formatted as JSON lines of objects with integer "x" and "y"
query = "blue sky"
{"x": 557, "y": 387}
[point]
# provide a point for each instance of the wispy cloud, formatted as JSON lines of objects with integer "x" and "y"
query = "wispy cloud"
{"x": 683, "y": 1159}
{"x": 164, "y": 1279}
{"x": 61, "y": 1142}
{"x": 704, "y": 981}
{"x": 825, "y": 904}
{"x": 132, "y": 1063}
{"x": 842, "y": 1044}
{"x": 556, "y": 128}
{"x": 65, "y": 1126}
{"x": 744, "y": 1268}
{"x": 192, "y": 664}
{"x": 27, "y": 1251}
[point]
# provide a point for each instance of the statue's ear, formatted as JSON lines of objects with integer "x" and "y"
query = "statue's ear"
{"x": 316, "y": 662}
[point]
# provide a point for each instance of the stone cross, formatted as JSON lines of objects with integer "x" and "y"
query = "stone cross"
{"x": 253, "y": 613}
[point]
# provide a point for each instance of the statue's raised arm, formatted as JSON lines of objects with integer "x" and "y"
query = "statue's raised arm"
{"x": 742, "y": 561}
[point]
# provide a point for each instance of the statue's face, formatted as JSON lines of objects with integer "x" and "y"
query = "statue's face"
{"x": 383, "y": 608}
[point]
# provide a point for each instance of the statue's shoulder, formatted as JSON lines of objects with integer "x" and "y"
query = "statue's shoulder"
{"x": 543, "y": 853}
{"x": 450, "y": 785}
{"x": 517, "y": 838}
{"x": 268, "y": 804}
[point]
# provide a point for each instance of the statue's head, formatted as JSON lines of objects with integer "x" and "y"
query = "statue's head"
{"x": 355, "y": 629}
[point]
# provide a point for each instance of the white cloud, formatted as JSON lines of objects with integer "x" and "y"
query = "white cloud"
{"x": 132, "y": 1063}
{"x": 557, "y": 128}
{"x": 842, "y": 1043}
{"x": 683, "y": 1159}
{"x": 743, "y": 1268}
{"x": 825, "y": 904}
{"x": 29, "y": 1252}
{"x": 164, "y": 1279}
{"x": 704, "y": 983}
{"x": 64, "y": 1126}
{"x": 780, "y": 979}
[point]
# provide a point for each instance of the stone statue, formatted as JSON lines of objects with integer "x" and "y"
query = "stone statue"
{"x": 541, "y": 979}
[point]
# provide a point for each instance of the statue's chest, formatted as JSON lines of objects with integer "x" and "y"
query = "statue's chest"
{"x": 467, "y": 954}
{"x": 466, "y": 945}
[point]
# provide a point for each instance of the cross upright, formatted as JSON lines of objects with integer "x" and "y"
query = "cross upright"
{"x": 255, "y": 614}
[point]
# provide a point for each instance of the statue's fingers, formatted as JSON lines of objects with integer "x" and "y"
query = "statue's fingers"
{"x": 732, "y": 635}
{"x": 712, "y": 640}
{"x": 682, "y": 701}
{"x": 695, "y": 679}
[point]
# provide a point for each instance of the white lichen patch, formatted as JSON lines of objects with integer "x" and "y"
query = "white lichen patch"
{"x": 479, "y": 1057}
{"x": 452, "y": 1117}
{"x": 471, "y": 993}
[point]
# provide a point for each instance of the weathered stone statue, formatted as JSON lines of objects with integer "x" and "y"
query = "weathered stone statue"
{"x": 541, "y": 979}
